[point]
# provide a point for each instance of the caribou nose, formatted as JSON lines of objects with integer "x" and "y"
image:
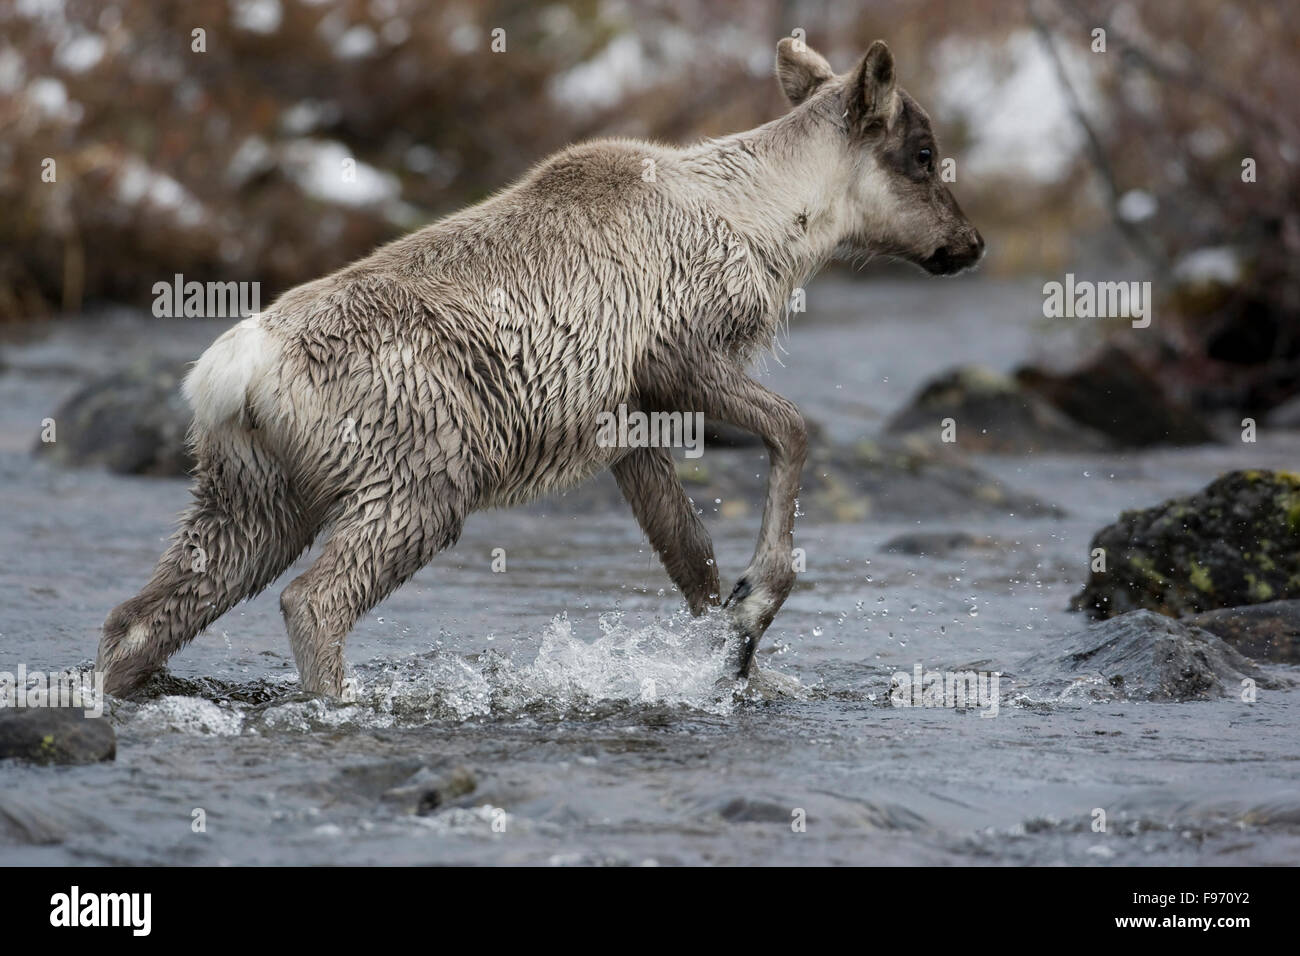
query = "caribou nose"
{"x": 972, "y": 250}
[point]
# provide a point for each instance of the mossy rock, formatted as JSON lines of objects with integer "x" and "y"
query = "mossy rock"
{"x": 55, "y": 735}
{"x": 1237, "y": 542}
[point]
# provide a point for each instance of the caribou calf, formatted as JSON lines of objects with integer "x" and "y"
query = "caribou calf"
{"x": 465, "y": 366}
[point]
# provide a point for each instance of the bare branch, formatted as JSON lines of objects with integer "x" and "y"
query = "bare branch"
{"x": 1101, "y": 164}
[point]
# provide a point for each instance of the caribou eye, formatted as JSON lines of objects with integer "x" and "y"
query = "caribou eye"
{"x": 924, "y": 157}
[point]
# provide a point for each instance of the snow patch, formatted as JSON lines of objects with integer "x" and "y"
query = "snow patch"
{"x": 1210, "y": 266}
{"x": 257, "y": 16}
{"x": 80, "y": 53}
{"x": 318, "y": 167}
{"x": 1008, "y": 95}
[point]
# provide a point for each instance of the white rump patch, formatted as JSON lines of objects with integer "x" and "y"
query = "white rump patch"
{"x": 217, "y": 387}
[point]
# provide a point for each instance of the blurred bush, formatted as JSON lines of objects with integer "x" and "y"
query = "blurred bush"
{"x": 1194, "y": 142}
{"x": 225, "y": 162}
{"x": 229, "y": 163}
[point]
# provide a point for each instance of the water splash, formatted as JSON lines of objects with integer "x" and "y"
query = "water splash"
{"x": 188, "y": 715}
{"x": 675, "y": 663}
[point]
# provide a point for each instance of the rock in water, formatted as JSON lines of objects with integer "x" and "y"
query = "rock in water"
{"x": 132, "y": 422}
{"x": 428, "y": 790}
{"x": 1269, "y": 631}
{"x": 1118, "y": 397}
{"x": 1286, "y": 415}
{"x": 943, "y": 544}
{"x": 906, "y": 478}
{"x": 1144, "y": 656}
{"x": 55, "y": 735}
{"x": 991, "y": 413}
{"x": 843, "y": 481}
{"x": 1236, "y": 542}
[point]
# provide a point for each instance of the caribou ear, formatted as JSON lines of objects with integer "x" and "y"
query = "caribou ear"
{"x": 871, "y": 87}
{"x": 801, "y": 69}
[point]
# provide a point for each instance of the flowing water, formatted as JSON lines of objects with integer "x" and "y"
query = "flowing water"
{"x": 567, "y": 712}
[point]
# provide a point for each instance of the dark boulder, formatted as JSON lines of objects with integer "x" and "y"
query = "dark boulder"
{"x": 1236, "y": 542}
{"x": 909, "y": 479}
{"x": 55, "y": 735}
{"x": 132, "y": 422}
{"x": 990, "y": 412}
{"x": 851, "y": 481}
{"x": 942, "y": 544}
{"x": 1269, "y": 631}
{"x": 1286, "y": 415}
{"x": 863, "y": 480}
{"x": 1115, "y": 395}
{"x": 1145, "y": 656}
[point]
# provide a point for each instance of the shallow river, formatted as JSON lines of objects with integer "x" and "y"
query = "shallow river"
{"x": 587, "y": 708}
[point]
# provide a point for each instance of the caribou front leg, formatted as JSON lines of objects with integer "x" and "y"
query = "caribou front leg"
{"x": 725, "y": 393}
{"x": 649, "y": 482}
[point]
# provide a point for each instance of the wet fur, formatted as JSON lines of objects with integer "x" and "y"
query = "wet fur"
{"x": 464, "y": 367}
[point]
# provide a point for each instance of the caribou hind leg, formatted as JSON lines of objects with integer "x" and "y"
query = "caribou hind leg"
{"x": 245, "y": 527}
{"x": 383, "y": 535}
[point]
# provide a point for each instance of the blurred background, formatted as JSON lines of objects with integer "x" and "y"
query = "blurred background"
{"x": 272, "y": 141}
{"x": 218, "y": 154}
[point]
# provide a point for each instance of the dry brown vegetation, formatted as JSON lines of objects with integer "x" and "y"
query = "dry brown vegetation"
{"x": 175, "y": 161}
